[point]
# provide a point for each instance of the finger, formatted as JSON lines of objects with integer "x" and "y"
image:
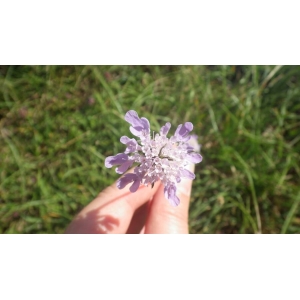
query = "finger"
{"x": 165, "y": 218}
{"x": 138, "y": 219}
{"x": 111, "y": 211}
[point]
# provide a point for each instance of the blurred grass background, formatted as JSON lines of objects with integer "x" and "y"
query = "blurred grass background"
{"x": 58, "y": 123}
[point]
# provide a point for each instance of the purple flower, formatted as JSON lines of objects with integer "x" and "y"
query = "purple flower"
{"x": 158, "y": 157}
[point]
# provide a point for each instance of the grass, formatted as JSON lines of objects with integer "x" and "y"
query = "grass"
{"x": 58, "y": 123}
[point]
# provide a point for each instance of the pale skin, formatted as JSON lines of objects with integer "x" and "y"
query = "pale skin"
{"x": 145, "y": 211}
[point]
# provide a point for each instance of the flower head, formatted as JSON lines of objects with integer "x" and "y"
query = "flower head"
{"x": 158, "y": 157}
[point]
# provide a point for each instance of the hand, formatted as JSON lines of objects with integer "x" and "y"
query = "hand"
{"x": 145, "y": 211}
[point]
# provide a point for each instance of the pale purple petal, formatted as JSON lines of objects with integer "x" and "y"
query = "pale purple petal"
{"x": 124, "y": 139}
{"x": 131, "y": 144}
{"x": 194, "y": 157}
{"x": 170, "y": 194}
{"x": 165, "y": 129}
{"x": 190, "y": 149}
{"x": 177, "y": 130}
{"x": 145, "y": 123}
{"x": 139, "y": 131}
{"x": 183, "y": 130}
{"x": 139, "y": 127}
{"x": 135, "y": 185}
{"x": 186, "y": 173}
{"x": 185, "y": 139}
{"x": 132, "y": 118}
{"x": 125, "y": 166}
{"x": 118, "y": 159}
{"x": 128, "y": 178}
